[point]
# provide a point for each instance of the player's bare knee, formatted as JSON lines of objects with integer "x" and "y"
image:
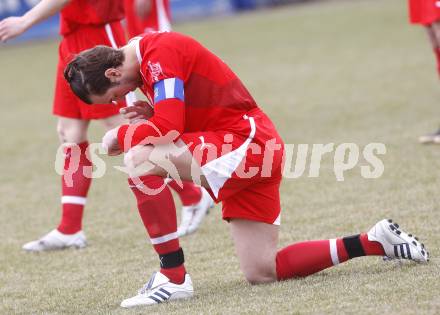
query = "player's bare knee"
{"x": 71, "y": 134}
{"x": 259, "y": 272}
{"x": 259, "y": 276}
{"x": 136, "y": 156}
{"x": 138, "y": 163}
{"x": 61, "y": 133}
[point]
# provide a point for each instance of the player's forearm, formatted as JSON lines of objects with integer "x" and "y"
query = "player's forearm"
{"x": 165, "y": 126}
{"x": 43, "y": 10}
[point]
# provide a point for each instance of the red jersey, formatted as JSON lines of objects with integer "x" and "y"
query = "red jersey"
{"x": 424, "y": 11}
{"x": 190, "y": 87}
{"x": 89, "y": 12}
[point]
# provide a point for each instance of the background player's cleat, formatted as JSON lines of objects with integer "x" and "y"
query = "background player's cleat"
{"x": 192, "y": 216}
{"x": 55, "y": 240}
{"x": 397, "y": 243}
{"x": 430, "y": 138}
{"x": 159, "y": 289}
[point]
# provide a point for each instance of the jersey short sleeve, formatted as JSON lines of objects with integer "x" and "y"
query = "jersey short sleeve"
{"x": 163, "y": 69}
{"x": 162, "y": 59}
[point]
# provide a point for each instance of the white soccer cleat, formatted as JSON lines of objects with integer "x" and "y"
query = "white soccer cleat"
{"x": 56, "y": 240}
{"x": 192, "y": 216}
{"x": 397, "y": 243}
{"x": 159, "y": 289}
{"x": 433, "y": 137}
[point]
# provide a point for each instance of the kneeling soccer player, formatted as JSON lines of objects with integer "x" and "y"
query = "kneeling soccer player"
{"x": 206, "y": 127}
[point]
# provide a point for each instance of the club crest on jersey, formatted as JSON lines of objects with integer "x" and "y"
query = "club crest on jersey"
{"x": 155, "y": 70}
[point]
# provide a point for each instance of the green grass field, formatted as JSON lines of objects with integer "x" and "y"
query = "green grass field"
{"x": 332, "y": 71}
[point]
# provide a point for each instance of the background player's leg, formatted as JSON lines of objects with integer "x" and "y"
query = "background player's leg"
{"x": 76, "y": 184}
{"x": 72, "y": 130}
{"x": 196, "y": 202}
{"x": 189, "y": 193}
{"x": 433, "y": 32}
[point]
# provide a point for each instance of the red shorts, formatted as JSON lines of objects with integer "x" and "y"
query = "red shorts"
{"x": 158, "y": 19}
{"x": 424, "y": 11}
{"x": 243, "y": 167}
{"x": 66, "y": 104}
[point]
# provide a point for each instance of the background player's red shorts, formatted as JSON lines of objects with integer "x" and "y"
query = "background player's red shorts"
{"x": 66, "y": 104}
{"x": 424, "y": 11}
{"x": 243, "y": 167}
{"x": 158, "y": 19}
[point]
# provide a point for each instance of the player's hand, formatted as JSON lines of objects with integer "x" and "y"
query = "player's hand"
{"x": 110, "y": 142}
{"x": 140, "y": 111}
{"x": 142, "y": 8}
{"x": 12, "y": 27}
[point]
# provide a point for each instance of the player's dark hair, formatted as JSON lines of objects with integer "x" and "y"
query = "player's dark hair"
{"x": 86, "y": 72}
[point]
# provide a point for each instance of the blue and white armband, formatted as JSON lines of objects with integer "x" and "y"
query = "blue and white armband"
{"x": 168, "y": 89}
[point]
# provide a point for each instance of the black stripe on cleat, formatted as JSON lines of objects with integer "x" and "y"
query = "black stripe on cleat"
{"x": 408, "y": 251}
{"x": 398, "y": 232}
{"x": 396, "y": 225}
{"x": 416, "y": 238}
{"x": 390, "y": 221}
{"x": 415, "y": 243}
{"x": 402, "y": 251}
{"x": 423, "y": 252}
{"x": 165, "y": 291}
{"x": 161, "y": 296}
{"x": 410, "y": 235}
{"x": 392, "y": 227}
{"x": 155, "y": 299}
{"x": 423, "y": 245}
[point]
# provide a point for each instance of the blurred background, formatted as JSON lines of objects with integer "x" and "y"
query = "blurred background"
{"x": 329, "y": 71}
{"x": 181, "y": 10}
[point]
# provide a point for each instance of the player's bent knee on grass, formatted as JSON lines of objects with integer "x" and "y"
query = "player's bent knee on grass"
{"x": 256, "y": 247}
{"x": 259, "y": 273}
